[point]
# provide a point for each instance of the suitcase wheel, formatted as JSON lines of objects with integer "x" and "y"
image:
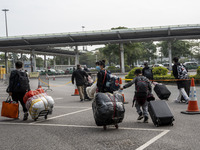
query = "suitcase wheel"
{"x": 116, "y": 126}
{"x": 104, "y": 127}
{"x": 45, "y": 117}
{"x": 172, "y": 124}
{"x": 35, "y": 119}
{"x": 157, "y": 125}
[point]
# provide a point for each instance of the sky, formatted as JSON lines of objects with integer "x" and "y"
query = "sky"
{"x": 27, "y": 17}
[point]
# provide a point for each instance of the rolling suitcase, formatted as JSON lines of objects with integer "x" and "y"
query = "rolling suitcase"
{"x": 108, "y": 109}
{"x": 160, "y": 113}
{"x": 162, "y": 91}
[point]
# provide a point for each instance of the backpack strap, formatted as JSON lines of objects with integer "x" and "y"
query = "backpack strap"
{"x": 104, "y": 76}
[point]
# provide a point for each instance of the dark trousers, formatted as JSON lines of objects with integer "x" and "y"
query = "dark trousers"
{"x": 18, "y": 96}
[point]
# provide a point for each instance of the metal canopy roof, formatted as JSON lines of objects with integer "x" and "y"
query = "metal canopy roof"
{"x": 44, "y": 42}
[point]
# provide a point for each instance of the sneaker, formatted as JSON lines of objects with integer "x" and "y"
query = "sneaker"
{"x": 25, "y": 116}
{"x": 140, "y": 117}
{"x": 186, "y": 102}
{"x": 146, "y": 119}
{"x": 81, "y": 100}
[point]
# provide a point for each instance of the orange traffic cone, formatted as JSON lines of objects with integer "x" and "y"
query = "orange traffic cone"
{"x": 76, "y": 93}
{"x": 192, "y": 105}
{"x": 122, "y": 93}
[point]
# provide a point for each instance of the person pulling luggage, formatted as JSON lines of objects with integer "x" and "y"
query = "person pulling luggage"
{"x": 142, "y": 90}
{"x": 180, "y": 72}
{"x": 18, "y": 86}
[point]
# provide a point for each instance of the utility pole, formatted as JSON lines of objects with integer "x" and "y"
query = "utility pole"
{"x": 5, "y": 10}
{"x": 6, "y": 54}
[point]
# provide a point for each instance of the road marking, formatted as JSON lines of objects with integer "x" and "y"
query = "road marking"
{"x": 152, "y": 140}
{"x": 62, "y": 115}
{"x": 84, "y": 126}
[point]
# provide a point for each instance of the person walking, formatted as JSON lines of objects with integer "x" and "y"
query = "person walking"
{"x": 142, "y": 90}
{"x": 18, "y": 86}
{"x": 180, "y": 72}
{"x": 102, "y": 77}
{"x": 79, "y": 76}
{"x": 147, "y": 72}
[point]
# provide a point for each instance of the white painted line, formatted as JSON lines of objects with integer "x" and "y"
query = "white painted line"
{"x": 69, "y": 107}
{"x": 62, "y": 115}
{"x": 58, "y": 98}
{"x": 83, "y": 126}
{"x": 152, "y": 140}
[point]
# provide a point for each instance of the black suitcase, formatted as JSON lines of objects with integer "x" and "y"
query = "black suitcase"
{"x": 162, "y": 91}
{"x": 160, "y": 113}
{"x": 108, "y": 109}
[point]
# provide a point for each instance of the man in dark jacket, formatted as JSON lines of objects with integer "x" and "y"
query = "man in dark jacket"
{"x": 141, "y": 100}
{"x": 16, "y": 90}
{"x": 80, "y": 75}
{"x": 181, "y": 76}
{"x": 147, "y": 72}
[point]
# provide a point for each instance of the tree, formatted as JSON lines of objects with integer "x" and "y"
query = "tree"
{"x": 149, "y": 49}
{"x": 39, "y": 62}
{"x": 179, "y": 48}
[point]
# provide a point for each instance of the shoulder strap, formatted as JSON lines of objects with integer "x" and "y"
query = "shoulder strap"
{"x": 104, "y": 76}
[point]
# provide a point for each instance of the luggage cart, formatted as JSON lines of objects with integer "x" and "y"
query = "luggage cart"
{"x": 42, "y": 113}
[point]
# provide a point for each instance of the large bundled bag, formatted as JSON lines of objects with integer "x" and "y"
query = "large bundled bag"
{"x": 108, "y": 109}
{"x": 10, "y": 108}
{"x": 37, "y": 106}
{"x": 91, "y": 91}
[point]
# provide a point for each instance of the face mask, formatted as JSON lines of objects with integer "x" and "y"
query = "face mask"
{"x": 98, "y": 68}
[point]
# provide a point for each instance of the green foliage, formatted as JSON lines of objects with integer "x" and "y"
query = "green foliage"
{"x": 160, "y": 71}
{"x": 113, "y": 69}
{"x": 127, "y": 68}
{"x": 131, "y": 73}
{"x": 179, "y": 48}
{"x": 198, "y": 71}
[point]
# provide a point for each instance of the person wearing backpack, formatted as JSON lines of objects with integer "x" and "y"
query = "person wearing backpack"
{"x": 18, "y": 86}
{"x": 142, "y": 90}
{"x": 147, "y": 72}
{"x": 80, "y": 75}
{"x": 180, "y": 72}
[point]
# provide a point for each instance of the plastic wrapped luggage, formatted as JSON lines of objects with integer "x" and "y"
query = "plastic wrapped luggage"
{"x": 37, "y": 106}
{"x": 160, "y": 113}
{"x": 162, "y": 91}
{"x": 108, "y": 109}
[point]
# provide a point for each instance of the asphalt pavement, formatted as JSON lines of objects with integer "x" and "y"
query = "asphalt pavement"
{"x": 72, "y": 125}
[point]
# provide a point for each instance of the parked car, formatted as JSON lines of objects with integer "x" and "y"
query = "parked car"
{"x": 191, "y": 65}
{"x": 69, "y": 70}
{"x": 158, "y": 65}
{"x": 51, "y": 72}
{"x": 60, "y": 72}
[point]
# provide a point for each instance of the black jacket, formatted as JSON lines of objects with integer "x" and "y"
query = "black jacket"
{"x": 79, "y": 75}
{"x": 13, "y": 80}
{"x": 150, "y": 76}
{"x": 100, "y": 84}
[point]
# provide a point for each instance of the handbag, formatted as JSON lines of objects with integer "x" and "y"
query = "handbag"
{"x": 10, "y": 108}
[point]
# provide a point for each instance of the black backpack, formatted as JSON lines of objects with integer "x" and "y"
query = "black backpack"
{"x": 22, "y": 84}
{"x": 141, "y": 88}
{"x": 148, "y": 73}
